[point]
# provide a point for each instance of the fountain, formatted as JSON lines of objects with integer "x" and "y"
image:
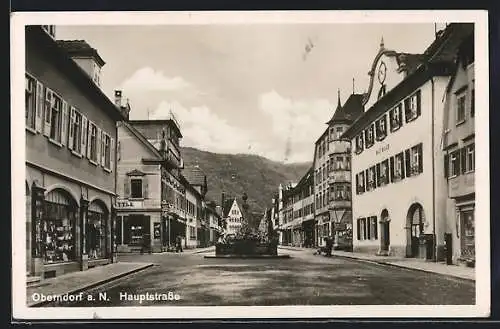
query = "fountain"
{"x": 249, "y": 241}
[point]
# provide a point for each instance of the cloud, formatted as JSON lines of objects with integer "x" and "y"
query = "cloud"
{"x": 298, "y": 122}
{"x": 204, "y": 129}
{"x": 147, "y": 79}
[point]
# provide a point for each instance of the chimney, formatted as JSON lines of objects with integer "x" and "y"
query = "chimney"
{"x": 118, "y": 98}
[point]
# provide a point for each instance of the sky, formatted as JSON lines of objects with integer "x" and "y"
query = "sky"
{"x": 244, "y": 88}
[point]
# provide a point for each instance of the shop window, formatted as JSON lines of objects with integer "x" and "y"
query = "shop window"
{"x": 58, "y": 228}
{"x": 136, "y": 187}
{"x": 369, "y": 136}
{"x": 396, "y": 118}
{"x": 381, "y": 128}
{"x": 460, "y": 108}
{"x": 359, "y": 143}
{"x": 96, "y": 231}
{"x": 468, "y": 237}
{"x": 30, "y": 101}
{"x": 412, "y": 107}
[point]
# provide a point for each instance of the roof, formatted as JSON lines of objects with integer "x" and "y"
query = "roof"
{"x": 194, "y": 175}
{"x": 81, "y": 48}
{"x": 36, "y": 35}
{"x": 171, "y": 122}
{"x": 226, "y": 207}
{"x": 438, "y": 59}
{"x": 351, "y": 110}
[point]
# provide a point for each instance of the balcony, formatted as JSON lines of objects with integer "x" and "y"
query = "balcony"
{"x": 461, "y": 185}
{"x": 339, "y": 176}
{"x": 338, "y": 146}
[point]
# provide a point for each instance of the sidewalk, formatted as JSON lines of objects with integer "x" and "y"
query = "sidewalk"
{"x": 457, "y": 271}
{"x": 76, "y": 282}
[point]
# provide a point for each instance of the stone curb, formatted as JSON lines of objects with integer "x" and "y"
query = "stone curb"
{"x": 381, "y": 262}
{"x": 94, "y": 284}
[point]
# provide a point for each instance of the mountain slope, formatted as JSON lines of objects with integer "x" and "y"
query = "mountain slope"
{"x": 238, "y": 173}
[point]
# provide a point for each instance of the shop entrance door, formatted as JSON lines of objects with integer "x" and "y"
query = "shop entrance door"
{"x": 384, "y": 232}
{"x": 415, "y": 225}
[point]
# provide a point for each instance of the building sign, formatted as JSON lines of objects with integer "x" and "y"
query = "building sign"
{"x": 124, "y": 204}
{"x": 157, "y": 230}
{"x": 382, "y": 149}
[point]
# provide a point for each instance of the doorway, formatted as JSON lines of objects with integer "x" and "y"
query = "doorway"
{"x": 415, "y": 228}
{"x": 385, "y": 234}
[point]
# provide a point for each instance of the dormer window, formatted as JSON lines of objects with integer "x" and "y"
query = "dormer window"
{"x": 381, "y": 128}
{"x": 97, "y": 75}
{"x": 369, "y": 136}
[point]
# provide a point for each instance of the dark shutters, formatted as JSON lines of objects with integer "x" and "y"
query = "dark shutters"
{"x": 367, "y": 182}
{"x": 357, "y": 184}
{"x": 406, "y": 109}
{"x": 418, "y": 103}
{"x": 358, "y": 228}
{"x": 391, "y": 170}
{"x": 377, "y": 171}
{"x": 420, "y": 156}
{"x": 407, "y": 161}
{"x": 403, "y": 171}
{"x": 463, "y": 159}
{"x": 375, "y": 227}
{"x": 446, "y": 165}
{"x": 368, "y": 229}
{"x": 365, "y": 230}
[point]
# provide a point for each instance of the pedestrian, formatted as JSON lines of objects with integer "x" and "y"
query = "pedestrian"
{"x": 178, "y": 244}
{"x": 329, "y": 246}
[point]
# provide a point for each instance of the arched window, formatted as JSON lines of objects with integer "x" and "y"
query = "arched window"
{"x": 96, "y": 230}
{"x": 57, "y": 227}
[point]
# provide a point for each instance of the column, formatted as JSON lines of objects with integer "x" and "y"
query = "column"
{"x": 114, "y": 258}
{"x": 37, "y": 213}
{"x": 84, "y": 259}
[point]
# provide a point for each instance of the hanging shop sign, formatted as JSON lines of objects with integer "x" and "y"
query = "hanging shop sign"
{"x": 157, "y": 230}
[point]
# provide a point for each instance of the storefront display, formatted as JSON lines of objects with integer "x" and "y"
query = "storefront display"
{"x": 468, "y": 241}
{"x": 57, "y": 228}
{"x": 96, "y": 231}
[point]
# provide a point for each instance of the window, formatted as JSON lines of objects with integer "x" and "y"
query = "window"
{"x": 470, "y": 158}
{"x": 460, "y": 108}
{"x": 360, "y": 183}
{"x": 373, "y": 228}
{"x": 413, "y": 160}
{"x": 369, "y": 136}
{"x": 92, "y": 150}
{"x": 75, "y": 131}
{"x": 383, "y": 173}
{"x": 472, "y": 102}
{"x": 339, "y": 163}
{"x": 53, "y": 116}
{"x": 192, "y": 233}
{"x": 396, "y": 117}
{"x": 412, "y": 107}
{"x": 361, "y": 228}
{"x": 359, "y": 143}
{"x": 106, "y": 140}
{"x": 370, "y": 179}
{"x": 136, "y": 186}
{"x": 381, "y": 128}
{"x": 97, "y": 73}
{"x": 397, "y": 167}
{"x": 30, "y": 101}
{"x": 454, "y": 163}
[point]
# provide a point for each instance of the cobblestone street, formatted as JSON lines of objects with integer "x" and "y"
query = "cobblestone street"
{"x": 304, "y": 279}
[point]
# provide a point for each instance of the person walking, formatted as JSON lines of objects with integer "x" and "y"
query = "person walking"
{"x": 178, "y": 244}
{"x": 329, "y": 246}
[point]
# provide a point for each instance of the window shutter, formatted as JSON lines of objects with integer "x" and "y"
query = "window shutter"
{"x": 377, "y": 170}
{"x": 368, "y": 233}
{"x": 375, "y": 227}
{"x": 98, "y": 146}
{"x": 420, "y": 157}
{"x": 84, "y": 135}
{"x": 405, "y": 109}
{"x": 145, "y": 187}
{"x": 358, "y": 228}
{"x": 365, "y": 230}
{"x": 40, "y": 101}
{"x": 71, "y": 131}
{"x": 366, "y": 180}
{"x": 89, "y": 138}
{"x": 391, "y": 169}
{"x": 112, "y": 155}
{"x": 418, "y": 103}
{"x": 463, "y": 159}
{"x": 103, "y": 148}
{"x": 126, "y": 187}
{"x": 357, "y": 184}
{"x": 407, "y": 161}
{"x": 64, "y": 124}
{"x": 47, "y": 107}
{"x": 446, "y": 165}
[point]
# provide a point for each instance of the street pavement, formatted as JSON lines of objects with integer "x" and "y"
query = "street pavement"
{"x": 303, "y": 279}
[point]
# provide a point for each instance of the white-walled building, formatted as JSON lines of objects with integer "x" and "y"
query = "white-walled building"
{"x": 399, "y": 189}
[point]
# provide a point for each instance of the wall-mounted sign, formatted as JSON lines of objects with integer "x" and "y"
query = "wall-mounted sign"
{"x": 382, "y": 149}
{"x": 124, "y": 203}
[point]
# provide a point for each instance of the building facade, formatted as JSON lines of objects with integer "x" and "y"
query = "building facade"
{"x": 399, "y": 193}
{"x": 70, "y": 158}
{"x": 332, "y": 176}
{"x": 459, "y": 157}
{"x": 151, "y": 208}
{"x": 233, "y": 216}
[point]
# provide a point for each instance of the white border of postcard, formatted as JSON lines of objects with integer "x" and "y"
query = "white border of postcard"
{"x": 482, "y": 307}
